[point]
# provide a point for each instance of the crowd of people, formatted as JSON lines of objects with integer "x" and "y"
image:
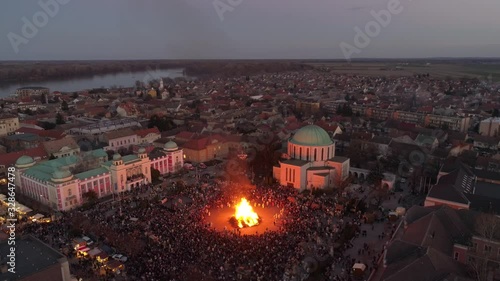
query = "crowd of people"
{"x": 176, "y": 245}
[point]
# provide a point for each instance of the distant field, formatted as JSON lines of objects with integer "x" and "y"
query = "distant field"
{"x": 480, "y": 71}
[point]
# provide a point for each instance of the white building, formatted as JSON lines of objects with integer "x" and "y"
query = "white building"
{"x": 490, "y": 127}
{"x": 8, "y": 124}
{"x": 311, "y": 161}
{"x": 169, "y": 160}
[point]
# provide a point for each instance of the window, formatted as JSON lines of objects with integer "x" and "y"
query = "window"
{"x": 69, "y": 192}
{"x": 315, "y": 154}
{"x": 487, "y": 248}
{"x": 456, "y": 255}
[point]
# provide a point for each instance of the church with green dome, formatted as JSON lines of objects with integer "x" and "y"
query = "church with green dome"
{"x": 310, "y": 161}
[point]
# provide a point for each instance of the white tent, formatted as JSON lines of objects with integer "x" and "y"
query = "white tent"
{"x": 359, "y": 266}
{"x": 37, "y": 217}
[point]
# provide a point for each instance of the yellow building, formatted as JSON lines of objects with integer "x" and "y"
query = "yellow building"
{"x": 152, "y": 93}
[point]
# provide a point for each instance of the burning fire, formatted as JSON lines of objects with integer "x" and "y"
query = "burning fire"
{"x": 245, "y": 215}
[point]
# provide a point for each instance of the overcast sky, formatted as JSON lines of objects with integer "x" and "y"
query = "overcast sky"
{"x": 268, "y": 29}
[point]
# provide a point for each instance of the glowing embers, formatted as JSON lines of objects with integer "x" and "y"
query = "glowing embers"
{"x": 244, "y": 216}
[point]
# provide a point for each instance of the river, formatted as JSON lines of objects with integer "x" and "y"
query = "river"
{"x": 123, "y": 79}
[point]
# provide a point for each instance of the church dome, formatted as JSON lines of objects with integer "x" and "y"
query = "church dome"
{"x": 117, "y": 156}
{"x": 171, "y": 146}
{"x": 311, "y": 135}
{"x": 24, "y": 160}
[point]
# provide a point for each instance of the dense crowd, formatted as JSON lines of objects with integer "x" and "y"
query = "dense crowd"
{"x": 177, "y": 245}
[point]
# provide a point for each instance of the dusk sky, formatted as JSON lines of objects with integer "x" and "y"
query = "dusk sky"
{"x": 267, "y": 29}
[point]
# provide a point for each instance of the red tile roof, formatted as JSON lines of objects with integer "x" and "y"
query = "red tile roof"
{"x": 144, "y": 132}
{"x": 202, "y": 143}
{"x": 11, "y": 158}
{"x": 185, "y": 135}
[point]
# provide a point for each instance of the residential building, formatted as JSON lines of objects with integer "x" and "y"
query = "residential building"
{"x": 16, "y": 142}
{"x": 307, "y": 106}
{"x": 66, "y": 146}
{"x": 460, "y": 124}
{"x": 26, "y": 92}
{"x": 8, "y": 124}
{"x": 119, "y": 139}
{"x": 205, "y": 148}
{"x": 409, "y": 117}
{"x": 490, "y": 127}
{"x": 148, "y": 136}
{"x": 422, "y": 247}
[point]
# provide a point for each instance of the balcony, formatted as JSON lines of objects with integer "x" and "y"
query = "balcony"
{"x": 135, "y": 178}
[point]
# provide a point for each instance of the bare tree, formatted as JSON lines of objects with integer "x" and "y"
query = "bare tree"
{"x": 488, "y": 226}
{"x": 478, "y": 269}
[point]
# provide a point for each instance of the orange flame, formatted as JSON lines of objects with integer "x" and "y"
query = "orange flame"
{"x": 245, "y": 215}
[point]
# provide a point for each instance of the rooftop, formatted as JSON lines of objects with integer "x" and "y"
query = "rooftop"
{"x": 32, "y": 256}
{"x": 44, "y": 171}
{"x": 295, "y": 162}
{"x": 92, "y": 173}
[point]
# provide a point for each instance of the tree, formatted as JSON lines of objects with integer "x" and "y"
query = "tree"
{"x": 163, "y": 123}
{"x": 60, "y": 119}
{"x": 341, "y": 184}
{"x": 495, "y": 113}
{"x": 376, "y": 176}
{"x": 75, "y": 95}
{"x": 488, "y": 226}
{"x": 155, "y": 175}
{"x": 43, "y": 98}
{"x": 64, "y": 106}
{"x": 47, "y": 125}
{"x": 90, "y": 196}
{"x": 379, "y": 195}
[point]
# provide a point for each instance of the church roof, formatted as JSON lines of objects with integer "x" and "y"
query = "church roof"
{"x": 311, "y": 135}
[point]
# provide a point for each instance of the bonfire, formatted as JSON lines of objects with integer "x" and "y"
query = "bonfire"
{"x": 244, "y": 215}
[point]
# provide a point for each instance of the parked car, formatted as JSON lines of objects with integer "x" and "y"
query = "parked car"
{"x": 202, "y": 166}
{"x": 119, "y": 257}
{"x": 88, "y": 240}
